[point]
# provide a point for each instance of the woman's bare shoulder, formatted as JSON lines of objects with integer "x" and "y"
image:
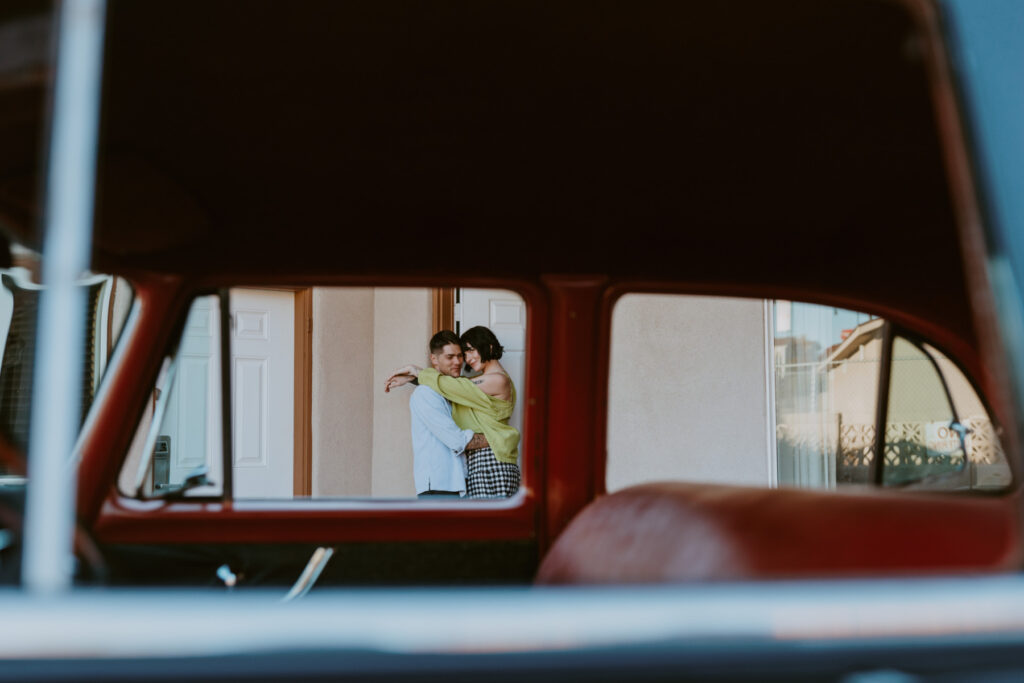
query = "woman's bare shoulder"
{"x": 493, "y": 383}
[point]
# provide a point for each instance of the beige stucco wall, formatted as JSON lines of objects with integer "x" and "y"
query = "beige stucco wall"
{"x": 402, "y": 320}
{"x": 342, "y": 407}
{"x": 687, "y": 382}
{"x": 916, "y": 395}
{"x": 853, "y": 385}
{"x": 361, "y": 440}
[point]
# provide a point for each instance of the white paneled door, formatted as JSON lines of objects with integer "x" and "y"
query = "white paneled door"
{"x": 504, "y": 313}
{"x": 263, "y": 385}
{"x": 192, "y": 421}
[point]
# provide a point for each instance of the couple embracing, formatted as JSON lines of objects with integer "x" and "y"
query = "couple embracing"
{"x": 455, "y": 416}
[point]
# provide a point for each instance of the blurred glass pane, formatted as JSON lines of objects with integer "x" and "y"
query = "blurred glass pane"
{"x": 109, "y": 300}
{"x": 186, "y": 411}
{"x": 921, "y": 437}
{"x": 826, "y": 386}
{"x": 989, "y": 468}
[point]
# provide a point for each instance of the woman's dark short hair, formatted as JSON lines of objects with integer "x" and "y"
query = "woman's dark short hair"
{"x": 443, "y": 339}
{"x": 484, "y": 341}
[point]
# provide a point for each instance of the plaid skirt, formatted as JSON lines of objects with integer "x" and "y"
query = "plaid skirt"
{"x": 488, "y": 477}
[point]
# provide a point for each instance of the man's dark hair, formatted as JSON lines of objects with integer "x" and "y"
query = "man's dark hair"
{"x": 484, "y": 341}
{"x": 443, "y": 339}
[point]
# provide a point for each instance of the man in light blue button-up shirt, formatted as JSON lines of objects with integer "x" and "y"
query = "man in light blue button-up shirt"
{"x": 439, "y": 467}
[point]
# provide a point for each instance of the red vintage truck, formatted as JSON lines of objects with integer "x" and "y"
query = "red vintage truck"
{"x": 736, "y": 256}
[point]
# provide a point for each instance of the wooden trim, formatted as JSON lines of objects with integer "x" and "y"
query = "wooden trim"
{"x": 443, "y": 309}
{"x": 302, "y": 427}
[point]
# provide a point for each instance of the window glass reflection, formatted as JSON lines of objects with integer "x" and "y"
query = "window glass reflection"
{"x": 108, "y": 300}
{"x": 826, "y": 383}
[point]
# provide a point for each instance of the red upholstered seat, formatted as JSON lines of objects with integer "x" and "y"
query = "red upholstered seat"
{"x": 671, "y": 532}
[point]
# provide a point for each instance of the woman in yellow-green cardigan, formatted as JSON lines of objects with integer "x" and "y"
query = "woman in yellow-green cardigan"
{"x": 482, "y": 403}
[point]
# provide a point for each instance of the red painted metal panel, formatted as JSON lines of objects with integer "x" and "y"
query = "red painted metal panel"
{"x": 126, "y": 521}
{"x": 162, "y": 306}
{"x": 574, "y": 346}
